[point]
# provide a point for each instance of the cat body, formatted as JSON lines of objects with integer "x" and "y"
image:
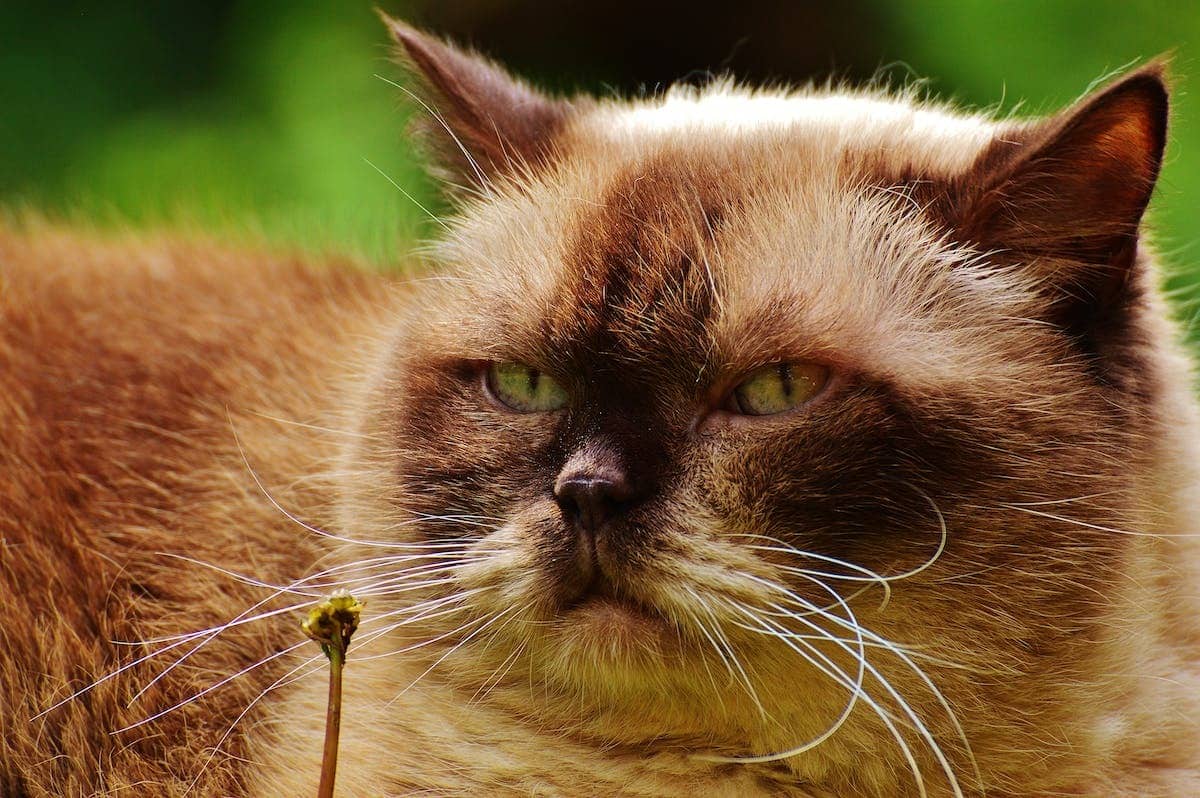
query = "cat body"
{"x": 851, "y": 452}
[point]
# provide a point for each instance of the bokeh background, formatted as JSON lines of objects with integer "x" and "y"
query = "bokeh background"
{"x": 271, "y": 120}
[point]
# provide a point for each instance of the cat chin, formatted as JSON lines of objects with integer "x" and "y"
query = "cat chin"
{"x": 608, "y": 629}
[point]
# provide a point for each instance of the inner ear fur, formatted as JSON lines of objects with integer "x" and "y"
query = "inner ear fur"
{"x": 482, "y": 122}
{"x": 1067, "y": 195}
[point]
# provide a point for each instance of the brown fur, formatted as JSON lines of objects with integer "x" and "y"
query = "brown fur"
{"x": 1008, "y": 418}
{"x": 126, "y": 369}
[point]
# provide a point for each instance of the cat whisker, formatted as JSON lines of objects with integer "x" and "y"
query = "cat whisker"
{"x": 855, "y": 686}
{"x": 441, "y": 562}
{"x": 867, "y": 575}
{"x": 459, "y": 516}
{"x": 242, "y": 578}
{"x": 483, "y": 181}
{"x": 212, "y": 687}
{"x": 1097, "y": 527}
{"x": 303, "y": 524}
{"x": 440, "y": 544}
{"x": 855, "y": 692}
{"x": 401, "y": 586}
{"x": 242, "y": 619}
{"x": 110, "y": 676}
{"x": 900, "y": 654}
{"x": 174, "y": 642}
{"x": 781, "y": 546}
{"x": 723, "y": 648}
{"x": 421, "y": 612}
{"x": 314, "y": 427}
{"x": 500, "y": 672}
{"x": 826, "y": 666}
{"x": 857, "y": 629}
{"x": 476, "y": 521}
{"x": 309, "y": 666}
{"x": 698, "y": 624}
{"x": 489, "y": 621}
{"x": 407, "y": 195}
{"x": 211, "y": 635}
{"x": 316, "y": 659}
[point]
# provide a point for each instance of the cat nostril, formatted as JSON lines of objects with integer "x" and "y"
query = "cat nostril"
{"x": 592, "y": 500}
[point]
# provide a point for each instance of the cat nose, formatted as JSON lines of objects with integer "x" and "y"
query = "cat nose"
{"x": 593, "y": 498}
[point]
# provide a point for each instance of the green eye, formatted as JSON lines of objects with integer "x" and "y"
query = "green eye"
{"x": 525, "y": 389}
{"x": 778, "y": 388}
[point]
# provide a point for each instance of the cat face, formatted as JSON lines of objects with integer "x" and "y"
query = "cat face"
{"x": 749, "y": 418}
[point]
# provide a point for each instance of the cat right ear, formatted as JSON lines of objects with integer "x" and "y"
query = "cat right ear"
{"x": 1068, "y": 194}
{"x": 483, "y": 122}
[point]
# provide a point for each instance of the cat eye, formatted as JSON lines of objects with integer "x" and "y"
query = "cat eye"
{"x": 524, "y": 388}
{"x": 778, "y": 388}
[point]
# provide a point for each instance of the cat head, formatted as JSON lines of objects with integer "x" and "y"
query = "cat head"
{"x": 742, "y": 416}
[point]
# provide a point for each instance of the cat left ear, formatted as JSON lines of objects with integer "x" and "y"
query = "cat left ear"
{"x": 485, "y": 123}
{"x": 1070, "y": 192}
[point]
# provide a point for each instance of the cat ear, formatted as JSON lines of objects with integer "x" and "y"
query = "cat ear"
{"x": 483, "y": 122}
{"x": 1068, "y": 194}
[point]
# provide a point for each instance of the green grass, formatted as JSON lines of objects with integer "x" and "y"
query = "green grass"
{"x": 278, "y": 144}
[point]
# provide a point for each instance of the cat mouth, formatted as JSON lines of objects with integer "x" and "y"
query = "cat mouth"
{"x": 600, "y": 593}
{"x": 597, "y": 583}
{"x": 596, "y": 587}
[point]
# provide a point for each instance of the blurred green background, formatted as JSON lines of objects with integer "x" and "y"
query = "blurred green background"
{"x": 268, "y": 119}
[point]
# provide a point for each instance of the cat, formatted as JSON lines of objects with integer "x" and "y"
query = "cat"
{"x": 808, "y": 443}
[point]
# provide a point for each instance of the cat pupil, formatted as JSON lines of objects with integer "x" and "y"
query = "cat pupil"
{"x": 785, "y": 380}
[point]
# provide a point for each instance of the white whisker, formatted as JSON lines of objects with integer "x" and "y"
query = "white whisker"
{"x": 722, "y": 646}
{"x": 212, "y": 687}
{"x": 903, "y": 656}
{"x": 453, "y": 648}
{"x": 856, "y": 690}
{"x": 484, "y": 183}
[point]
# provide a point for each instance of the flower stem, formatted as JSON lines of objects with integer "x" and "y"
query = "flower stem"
{"x": 333, "y": 723}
